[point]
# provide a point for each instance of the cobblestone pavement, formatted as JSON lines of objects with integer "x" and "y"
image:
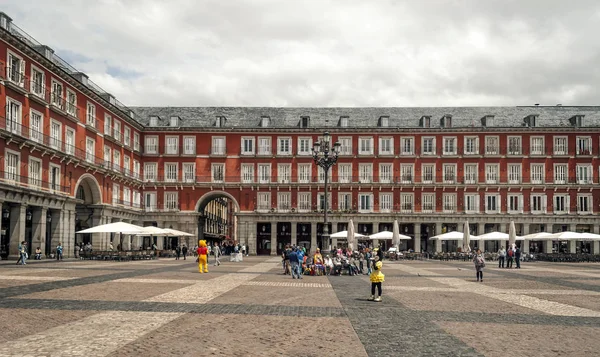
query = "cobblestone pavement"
{"x": 166, "y": 308}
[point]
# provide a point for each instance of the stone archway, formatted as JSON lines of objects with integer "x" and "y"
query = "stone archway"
{"x": 229, "y": 202}
{"x": 88, "y": 194}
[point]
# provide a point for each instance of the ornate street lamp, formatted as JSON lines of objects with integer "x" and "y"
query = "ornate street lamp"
{"x": 325, "y": 156}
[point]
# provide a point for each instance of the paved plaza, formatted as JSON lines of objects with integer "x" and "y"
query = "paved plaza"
{"x": 166, "y": 308}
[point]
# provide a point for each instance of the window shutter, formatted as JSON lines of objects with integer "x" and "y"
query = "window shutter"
{"x": 477, "y": 199}
{"x": 22, "y": 76}
{"x": 8, "y": 117}
{"x": 477, "y": 146}
{"x": 520, "y": 204}
{"x": 545, "y": 203}
{"x": 242, "y": 146}
{"x": 568, "y": 203}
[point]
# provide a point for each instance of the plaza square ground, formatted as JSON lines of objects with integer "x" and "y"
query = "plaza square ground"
{"x": 166, "y": 308}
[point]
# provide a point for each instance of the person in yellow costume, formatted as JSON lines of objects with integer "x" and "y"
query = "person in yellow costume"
{"x": 377, "y": 279}
{"x": 202, "y": 257}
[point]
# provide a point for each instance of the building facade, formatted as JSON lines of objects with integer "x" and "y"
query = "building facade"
{"x": 74, "y": 157}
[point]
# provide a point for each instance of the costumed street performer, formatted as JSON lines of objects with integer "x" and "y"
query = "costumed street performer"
{"x": 202, "y": 257}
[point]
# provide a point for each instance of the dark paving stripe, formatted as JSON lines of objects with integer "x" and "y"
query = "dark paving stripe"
{"x": 390, "y": 329}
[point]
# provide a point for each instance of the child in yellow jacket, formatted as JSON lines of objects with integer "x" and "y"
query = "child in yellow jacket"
{"x": 376, "y": 278}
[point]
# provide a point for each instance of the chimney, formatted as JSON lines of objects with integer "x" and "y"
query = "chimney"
{"x": 5, "y": 21}
{"x": 81, "y": 77}
{"x": 45, "y": 51}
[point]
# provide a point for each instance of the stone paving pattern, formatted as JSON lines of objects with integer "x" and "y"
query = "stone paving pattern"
{"x": 166, "y": 308}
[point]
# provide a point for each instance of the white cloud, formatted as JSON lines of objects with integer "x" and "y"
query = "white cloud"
{"x": 326, "y": 53}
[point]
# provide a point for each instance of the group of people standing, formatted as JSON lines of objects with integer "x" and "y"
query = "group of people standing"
{"x": 512, "y": 254}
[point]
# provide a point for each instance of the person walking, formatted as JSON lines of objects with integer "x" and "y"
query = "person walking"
{"x": 518, "y": 257}
{"x": 177, "y": 252}
{"x": 217, "y": 252}
{"x": 501, "y": 257}
{"x": 376, "y": 278}
{"x": 59, "y": 252}
{"x": 184, "y": 250}
{"x": 293, "y": 257}
{"x": 22, "y": 253}
{"x": 479, "y": 262}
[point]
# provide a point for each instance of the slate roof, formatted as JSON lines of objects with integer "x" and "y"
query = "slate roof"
{"x": 249, "y": 117}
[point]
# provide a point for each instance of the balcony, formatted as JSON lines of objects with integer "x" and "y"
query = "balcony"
{"x": 16, "y": 80}
{"x": 92, "y": 124}
{"x": 584, "y": 152}
{"x": 264, "y": 151}
{"x": 218, "y": 151}
{"x": 39, "y": 93}
{"x": 11, "y": 178}
{"x": 58, "y": 104}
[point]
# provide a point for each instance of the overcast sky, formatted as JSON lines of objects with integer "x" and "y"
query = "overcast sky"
{"x": 326, "y": 53}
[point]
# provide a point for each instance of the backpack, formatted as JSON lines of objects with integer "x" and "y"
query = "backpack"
{"x": 510, "y": 252}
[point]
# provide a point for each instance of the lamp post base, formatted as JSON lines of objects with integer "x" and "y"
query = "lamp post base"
{"x": 326, "y": 239}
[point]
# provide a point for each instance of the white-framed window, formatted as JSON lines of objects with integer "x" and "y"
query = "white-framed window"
{"x": 365, "y": 173}
{"x": 14, "y": 116}
{"x": 116, "y": 160}
{"x": 386, "y": 202}
{"x": 90, "y": 149}
{"x": 406, "y": 173}
{"x": 449, "y": 146}
{"x": 12, "y": 165}
{"x": 107, "y": 156}
{"x": 55, "y": 134}
{"x": 171, "y": 172}
{"x": 344, "y": 122}
{"x": 116, "y": 194}
{"x": 449, "y": 201}
{"x": 150, "y": 201}
{"x": 136, "y": 169}
{"x": 321, "y": 200}
{"x": 584, "y": 204}
{"x": 514, "y": 203}
{"x": 35, "y": 172}
{"x": 248, "y": 146}
{"x": 585, "y": 174}
{"x": 427, "y": 202}
{"x": 561, "y": 145}
{"x": 449, "y": 173}
{"x": 471, "y": 203}
{"x": 365, "y": 202}
{"x": 492, "y": 173}
{"x": 218, "y": 172}
{"x": 91, "y": 114}
{"x": 514, "y": 173}
{"x": 38, "y": 82}
{"x": 561, "y": 173}
{"x": 189, "y": 145}
{"x": 584, "y": 145}
{"x": 345, "y": 145}
{"x": 492, "y": 145}
{"x": 126, "y": 136}
{"x": 492, "y": 203}
{"x": 36, "y": 125}
{"x": 70, "y": 142}
{"x": 263, "y": 201}
{"x": 385, "y": 173}
{"x": 218, "y": 145}
{"x": 561, "y": 204}
{"x": 407, "y": 146}
{"x": 284, "y": 173}
{"x": 471, "y": 174}
{"x": 537, "y": 173}
{"x": 172, "y": 145}
{"x": 514, "y": 145}
{"x": 127, "y": 164}
{"x": 428, "y": 146}
{"x": 365, "y": 146}
{"x": 344, "y": 173}
{"x": 304, "y": 201}
{"x": 386, "y": 146}
{"x": 247, "y": 173}
{"x": 171, "y": 201}
{"x": 136, "y": 141}
{"x": 264, "y": 173}
{"x": 304, "y": 173}
{"x": 284, "y": 201}
{"x": 264, "y": 146}
{"x": 284, "y": 146}
{"x": 16, "y": 69}
{"x": 151, "y": 145}
{"x": 428, "y": 173}
{"x": 71, "y": 102}
{"x": 407, "y": 202}
{"x": 126, "y": 196}
{"x": 57, "y": 94}
{"x": 471, "y": 145}
{"x": 137, "y": 199}
{"x": 117, "y": 130}
{"x": 150, "y": 170}
{"x": 321, "y": 174}
{"x": 344, "y": 201}
{"x": 538, "y": 203}
{"x": 305, "y": 146}
{"x": 537, "y": 145}
{"x": 107, "y": 124}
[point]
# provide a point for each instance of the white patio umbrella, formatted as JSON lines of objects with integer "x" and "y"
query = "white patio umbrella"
{"x": 154, "y": 231}
{"x": 590, "y": 236}
{"x": 177, "y": 233}
{"x": 512, "y": 234}
{"x": 351, "y": 235}
{"x": 396, "y": 234}
{"x": 449, "y": 236}
{"x": 497, "y": 236}
{"x": 344, "y": 234}
{"x": 536, "y": 236}
{"x": 466, "y": 237}
{"x": 388, "y": 235}
{"x": 564, "y": 236}
{"x": 115, "y": 227}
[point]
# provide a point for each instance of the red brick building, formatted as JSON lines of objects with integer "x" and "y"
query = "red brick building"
{"x": 74, "y": 157}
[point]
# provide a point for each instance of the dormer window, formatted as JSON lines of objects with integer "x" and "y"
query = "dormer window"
{"x": 384, "y": 121}
{"x": 530, "y": 121}
{"x": 344, "y": 122}
{"x": 425, "y": 122}
{"x": 264, "y": 122}
{"x": 220, "y": 122}
{"x": 576, "y": 121}
{"x": 174, "y": 121}
{"x": 446, "y": 121}
{"x": 487, "y": 121}
{"x": 304, "y": 122}
{"x": 153, "y": 121}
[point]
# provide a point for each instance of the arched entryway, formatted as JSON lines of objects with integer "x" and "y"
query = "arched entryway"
{"x": 217, "y": 220}
{"x": 87, "y": 194}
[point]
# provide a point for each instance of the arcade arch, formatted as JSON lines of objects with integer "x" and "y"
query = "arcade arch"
{"x": 217, "y": 219}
